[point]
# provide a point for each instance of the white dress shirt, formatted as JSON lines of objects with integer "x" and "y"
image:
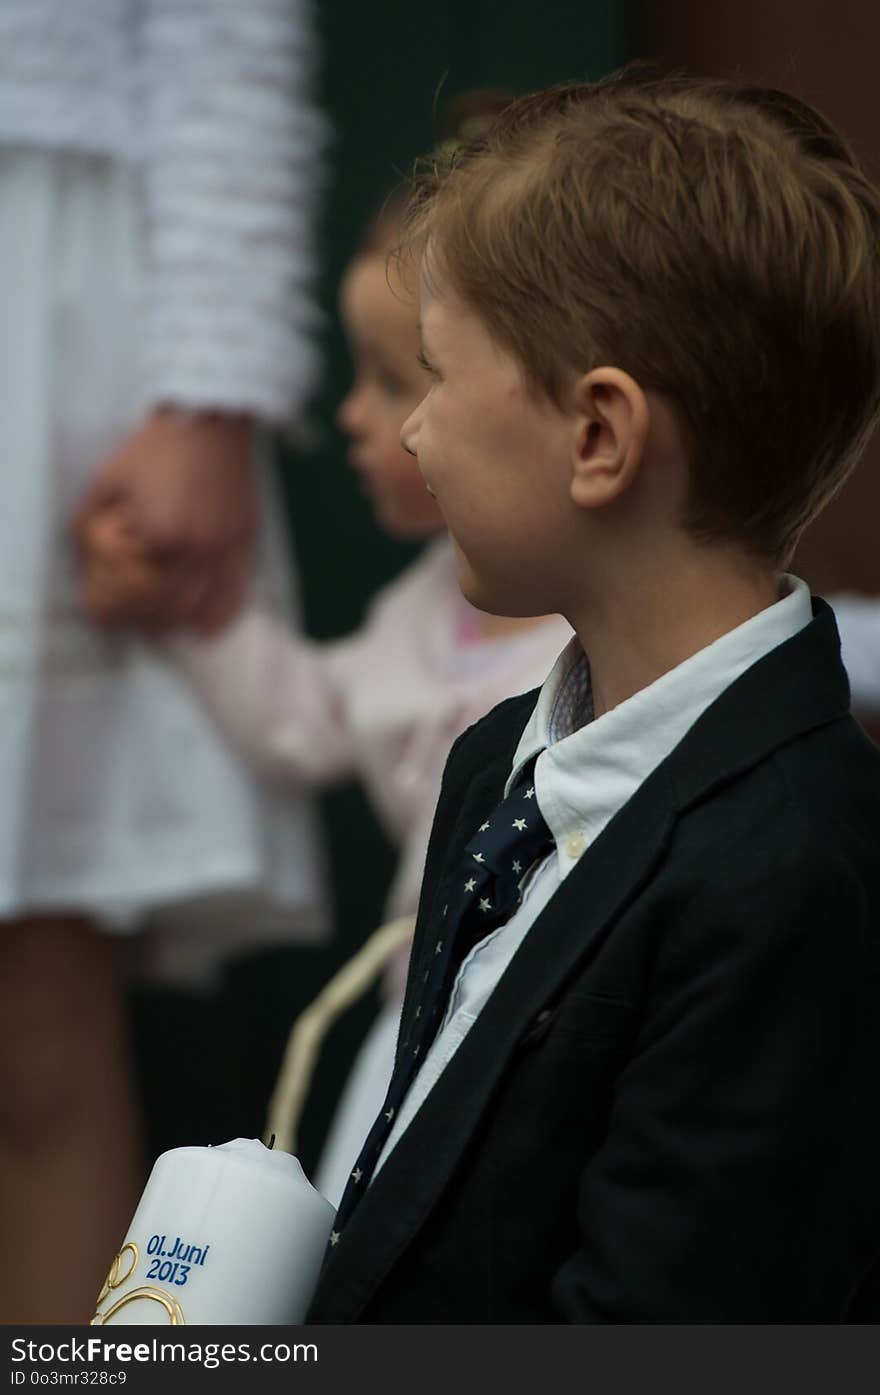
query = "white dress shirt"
{"x": 587, "y": 769}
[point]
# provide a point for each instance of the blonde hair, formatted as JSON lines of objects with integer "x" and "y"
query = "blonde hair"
{"x": 716, "y": 240}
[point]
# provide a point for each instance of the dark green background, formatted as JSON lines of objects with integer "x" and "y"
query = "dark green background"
{"x": 384, "y": 68}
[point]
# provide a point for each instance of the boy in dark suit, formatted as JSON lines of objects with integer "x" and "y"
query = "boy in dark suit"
{"x": 638, "y": 1072}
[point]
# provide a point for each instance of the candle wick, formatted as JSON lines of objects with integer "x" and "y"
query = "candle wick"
{"x": 272, "y": 1141}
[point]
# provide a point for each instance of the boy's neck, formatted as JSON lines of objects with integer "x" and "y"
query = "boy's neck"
{"x": 502, "y": 626}
{"x": 644, "y": 625}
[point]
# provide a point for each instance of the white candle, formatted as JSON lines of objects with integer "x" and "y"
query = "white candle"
{"x": 233, "y": 1234}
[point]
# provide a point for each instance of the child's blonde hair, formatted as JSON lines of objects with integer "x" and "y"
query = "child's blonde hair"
{"x": 463, "y": 119}
{"x": 716, "y": 240}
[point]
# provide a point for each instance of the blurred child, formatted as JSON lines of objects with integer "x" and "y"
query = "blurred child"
{"x": 385, "y": 703}
{"x": 636, "y": 1080}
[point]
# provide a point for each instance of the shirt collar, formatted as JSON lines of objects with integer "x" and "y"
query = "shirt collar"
{"x": 588, "y": 768}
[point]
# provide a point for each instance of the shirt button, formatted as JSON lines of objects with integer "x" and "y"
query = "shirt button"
{"x": 575, "y": 845}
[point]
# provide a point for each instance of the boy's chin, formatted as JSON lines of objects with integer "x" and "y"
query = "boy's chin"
{"x": 403, "y": 528}
{"x": 476, "y": 589}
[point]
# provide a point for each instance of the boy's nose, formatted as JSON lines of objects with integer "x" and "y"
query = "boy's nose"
{"x": 409, "y": 433}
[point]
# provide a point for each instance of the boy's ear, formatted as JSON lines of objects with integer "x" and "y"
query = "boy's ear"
{"x": 612, "y": 417}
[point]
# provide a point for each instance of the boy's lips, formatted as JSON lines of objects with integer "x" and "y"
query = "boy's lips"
{"x": 428, "y": 484}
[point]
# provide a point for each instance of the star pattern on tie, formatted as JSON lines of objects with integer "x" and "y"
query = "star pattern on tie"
{"x": 493, "y": 863}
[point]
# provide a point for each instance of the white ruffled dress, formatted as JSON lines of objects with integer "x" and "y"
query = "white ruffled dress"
{"x": 158, "y": 167}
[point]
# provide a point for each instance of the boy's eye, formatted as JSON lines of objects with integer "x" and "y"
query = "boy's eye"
{"x": 423, "y": 362}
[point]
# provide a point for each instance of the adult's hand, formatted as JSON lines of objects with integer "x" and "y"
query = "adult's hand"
{"x": 188, "y": 483}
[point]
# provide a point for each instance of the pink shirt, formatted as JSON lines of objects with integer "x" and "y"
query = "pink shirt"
{"x": 384, "y": 704}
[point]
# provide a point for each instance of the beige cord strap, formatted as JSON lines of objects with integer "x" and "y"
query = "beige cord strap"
{"x": 312, "y": 1025}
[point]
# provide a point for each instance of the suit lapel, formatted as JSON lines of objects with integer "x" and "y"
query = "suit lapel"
{"x": 798, "y": 686}
{"x": 570, "y": 928}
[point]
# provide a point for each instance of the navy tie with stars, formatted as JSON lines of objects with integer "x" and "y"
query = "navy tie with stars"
{"x": 482, "y": 897}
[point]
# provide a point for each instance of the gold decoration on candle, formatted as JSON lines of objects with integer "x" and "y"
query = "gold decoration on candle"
{"x": 116, "y": 1276}
{"x": 151, "y": 1295}
{"x": 119, "y": 1275}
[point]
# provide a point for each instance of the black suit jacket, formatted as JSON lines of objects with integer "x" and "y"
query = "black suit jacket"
{"x": 669, "y": 1109}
